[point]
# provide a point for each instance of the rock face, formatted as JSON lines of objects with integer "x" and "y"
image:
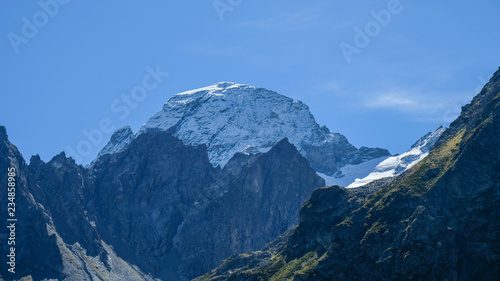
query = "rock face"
{"x": 33, "y": 245}
{"x": 229, "y": 117}
{"x": 119, "y": 140}
{"x": 252, "y": 212}
{"x": 59, "y": 186}
{"x": 140, "y": 196}
{"x": 436, "y": 221}
{"x": 162, "y": 205}
{"x": 54, "y": 237}
{"x": 156, "y": 209}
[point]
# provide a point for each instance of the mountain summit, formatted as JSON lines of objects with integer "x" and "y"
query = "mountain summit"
{"x": 230, "y": 118}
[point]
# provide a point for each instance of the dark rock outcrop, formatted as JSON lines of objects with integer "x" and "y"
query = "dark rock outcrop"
{"x": 59, "y": 186}
{"x": 141, "y": 195}
{"x": 119, "y": 140}
{"x": 33, "y": 243}
{"x": 260, "y": 203}
{"x": 54, "y": 238}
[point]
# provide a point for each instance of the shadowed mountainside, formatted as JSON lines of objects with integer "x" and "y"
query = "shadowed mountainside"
{"x": 156, "y": 209}
{"x": 437, "y": 221}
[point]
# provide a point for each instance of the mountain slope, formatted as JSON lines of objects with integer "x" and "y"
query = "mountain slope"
{"x": 437, "y": 221}
{"x": 120, "y": 138}
{"x": 31, "y": 225}
{"x": 252, "y": 211}
{"x": 163, "y": 206}
{"x": 230, "y": 117}
{"x": 140, "y": 196}
{"x": 395, "y": 165}
{"x": 156, "y": 209}
{"x": 54, "y": 238}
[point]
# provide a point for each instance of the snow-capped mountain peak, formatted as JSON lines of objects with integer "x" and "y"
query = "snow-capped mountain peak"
{"x": 229, "y": 117}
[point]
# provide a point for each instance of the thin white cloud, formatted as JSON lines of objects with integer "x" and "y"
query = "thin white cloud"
{"x": 425, "y": 108}
{"x": 288, "y": 21}
{"x": 330, "y": 86}
{"x": 392, "y": 101}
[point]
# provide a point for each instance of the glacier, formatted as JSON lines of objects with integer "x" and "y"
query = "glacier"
{"x": 391, "y": 166}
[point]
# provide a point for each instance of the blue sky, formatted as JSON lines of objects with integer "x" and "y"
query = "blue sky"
{"x": 409, "y": 67}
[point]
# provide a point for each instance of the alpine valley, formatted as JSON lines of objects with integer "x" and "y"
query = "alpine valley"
{"x": 228, "y": 182}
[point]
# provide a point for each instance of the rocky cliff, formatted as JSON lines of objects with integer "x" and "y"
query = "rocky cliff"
{"x": 156, "y": 209}
{"x": 54, "y": 239}
{"x": 437, "y": 221}
{"x": 259, "y": 204}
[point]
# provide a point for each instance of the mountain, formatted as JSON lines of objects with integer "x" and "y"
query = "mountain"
{"x": 230, "y": 118}
{"x": 436, "y": 221}
{"x": 390, "y": 166}
{"x": 140, "y": 196}
{"x": 153, "y": 206}
{"x": 156, "y": 209}
{"x": 251, "y": 211}
{"x": 54, "y": 238}
{"x": 162, "y": 205}
{"x": 357, "y": 175}
{"x": 119, "y": 140}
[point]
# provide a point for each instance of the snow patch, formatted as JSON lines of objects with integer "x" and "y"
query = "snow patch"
{"x": 395, "y": 165}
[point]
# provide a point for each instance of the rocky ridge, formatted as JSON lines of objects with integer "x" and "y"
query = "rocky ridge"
{"x": 54, "y": 237}
{"x": 436, "y": 221}
{"x": 135, "y": 214}
{"x": 119, "y": 140}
